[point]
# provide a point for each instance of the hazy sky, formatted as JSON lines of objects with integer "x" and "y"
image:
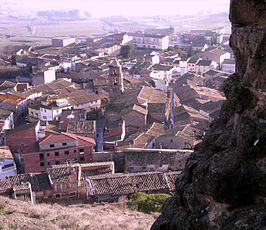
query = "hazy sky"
{"x": 100, "y": 8}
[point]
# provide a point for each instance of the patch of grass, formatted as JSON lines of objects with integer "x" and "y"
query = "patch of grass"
{"x": 34, "y": 215}
{"x": 147, "y": 203}
{"x": 4, "y": 211}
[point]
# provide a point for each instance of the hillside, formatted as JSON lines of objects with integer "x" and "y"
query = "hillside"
{"x": 21, "y": 215}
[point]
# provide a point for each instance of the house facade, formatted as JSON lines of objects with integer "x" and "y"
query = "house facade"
{"x": 7, "y": 163}
{"x": 149, "y": 41}
{"x": 55, "y": 149}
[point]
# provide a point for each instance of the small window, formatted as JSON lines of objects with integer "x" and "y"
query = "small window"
{"x": 41, "y": 156}
{"x": 48, "y": 154}
{"x": 42, "y": 164}
{"x": 48, "y": 163}
{"x": 57, "y": 195}
{"x": 66, "y": 152}
{"x": 56, "y": 154}
{"x": 81, "y": 159}
{"x": 57, "y": 162}
{"x": 81, "y": 151}
{"x": 75, "y": 150}
{"x": 52, "y": 146}
{"x": 64, "y": 144}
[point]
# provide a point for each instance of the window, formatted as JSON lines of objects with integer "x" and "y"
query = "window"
{"x": 81, "y": 151}
{"x": 56, "y": 154}
{"x": 41, "y": 156}
{"x": 48, "y": 163}
{"x": 75, "y": 150}
{"x": 66, "y": 152}
{"x": 52, "y": 146}
{"x": 81, "y": 159}
{"x": 64, "y": 144}
{"x": 57, "y": 162}
{"x": 48, "y": 154}
{"x": 57, "y": 195}
{"x": 44, "y": 117}
{"x": 42, "y": 164}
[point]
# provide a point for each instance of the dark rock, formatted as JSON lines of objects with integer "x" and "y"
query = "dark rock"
{"x": 224, "y": 183}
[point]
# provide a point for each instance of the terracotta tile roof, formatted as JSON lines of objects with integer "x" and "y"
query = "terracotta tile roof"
{"x": 143, "y": 139}
{"x": 52, "y": 138}
{"x": 193, "y": 60}
{"x": 204, "y": 63}
{"x": 7, "y": 85}
{"x": 81, "y": 127}
{"x": 5, "y": 186}
{"x": 135, "y": 108}
{"x": 218, "y": 52}
{"x": 81, "y": 140}
{"x": 63, "y": 174}
{"x": 115, "y": 132}
{"x": 171, "y": 178}
{"x": 39, "y": 182}
{"x": 70, "y": 114}
{"x": 156, "y": 129}
{"x": 150, "y": 95}
{"x": 125, "y": 184}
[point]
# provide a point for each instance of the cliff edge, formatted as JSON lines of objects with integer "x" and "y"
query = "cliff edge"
{"x": 224, "y": 182}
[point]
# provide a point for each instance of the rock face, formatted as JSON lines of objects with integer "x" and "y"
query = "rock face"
{"x": 224, "y": 182}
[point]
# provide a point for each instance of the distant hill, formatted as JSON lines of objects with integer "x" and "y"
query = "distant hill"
{"x": 21, "y": 215}
{"x": 64, "y": 15}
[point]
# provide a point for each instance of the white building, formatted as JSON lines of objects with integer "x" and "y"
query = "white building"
{"x": 203, "y": 66}
{"x": 183, "y": 66}
{"x": 7, "y": 163}
{"x": 44, "y": 77}
{"x": 162, "y": 75}
{"x": 48, "y": 109}
{"x": 229, "y": 65}
{"x": 191, "y": 65}
{"x": 151, "y": 41}
{"x": 63, "y": 42}
{"x": 52, "y": 111}
{"x": 6, "y": 119}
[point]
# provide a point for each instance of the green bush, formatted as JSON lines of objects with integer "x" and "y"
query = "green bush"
{"x": 147, "y": 203}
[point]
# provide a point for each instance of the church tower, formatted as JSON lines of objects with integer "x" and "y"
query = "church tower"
{"x": 116, "y": 84}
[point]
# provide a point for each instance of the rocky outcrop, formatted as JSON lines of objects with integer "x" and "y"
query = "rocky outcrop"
{"x": 224, "y": 182}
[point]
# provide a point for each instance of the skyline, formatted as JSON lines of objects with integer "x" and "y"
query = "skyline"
{"x": 103, "y": 8}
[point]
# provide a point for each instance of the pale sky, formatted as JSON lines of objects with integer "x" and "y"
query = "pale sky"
{"x": 100, "y": 8}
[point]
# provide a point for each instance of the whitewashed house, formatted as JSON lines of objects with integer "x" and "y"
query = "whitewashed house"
{"x": 7, "y": 163}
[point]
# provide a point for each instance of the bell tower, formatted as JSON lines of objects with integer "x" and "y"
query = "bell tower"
{"x": 116, "y": 84}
